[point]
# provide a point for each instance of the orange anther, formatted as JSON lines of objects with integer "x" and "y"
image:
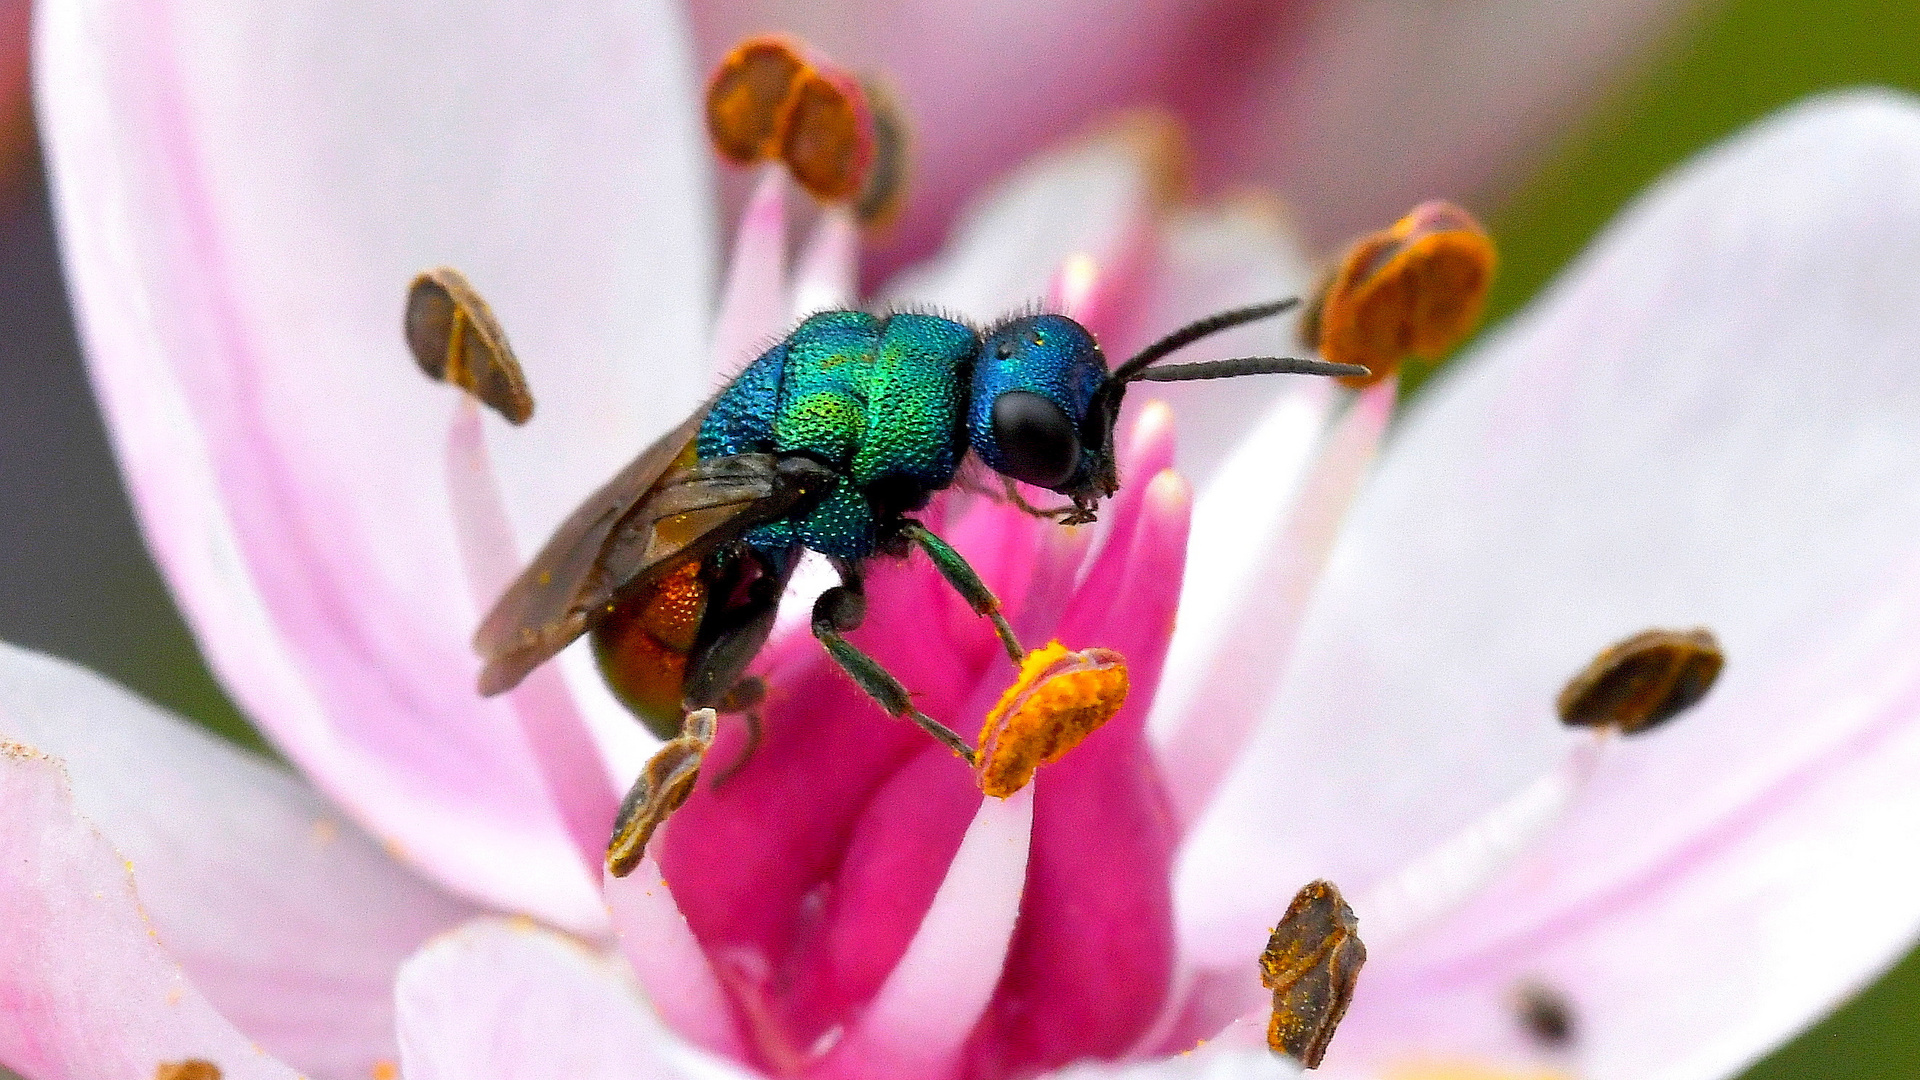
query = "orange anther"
{"x": 1415, "y": 289}
{"x": 827, "y": 140}
{"x": 747, "y": 98}
{"x": 843, "y": 139}
{"x": 1059, "y": 698}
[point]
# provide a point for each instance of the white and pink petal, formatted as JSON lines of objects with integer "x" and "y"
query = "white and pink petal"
{"x": 242, "y": 197}
{"x": 1711, "y": 421}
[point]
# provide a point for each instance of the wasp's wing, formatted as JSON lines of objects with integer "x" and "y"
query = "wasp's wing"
{"x": 609, "y": 541}
{"x": 685, "y": 514}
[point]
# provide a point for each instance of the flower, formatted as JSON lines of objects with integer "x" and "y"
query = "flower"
{"x": 1382, "y": 722}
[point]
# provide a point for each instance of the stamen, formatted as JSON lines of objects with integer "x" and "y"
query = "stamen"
{"x": 563, "y": 745}
{"x": 1310, "y": 964}
{"x": 1059, "y": 699}
{"x": 190, "y": 1069}
{"x": 1414, "y": 289}
{"x": 660, "y": 789}
{"x": 1644, "y": 681}
{"x": 843, "y": 138}
{"x": 455, "y": 338}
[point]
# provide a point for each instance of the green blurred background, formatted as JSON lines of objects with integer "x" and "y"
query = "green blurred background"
{"x": 89, "y": 592}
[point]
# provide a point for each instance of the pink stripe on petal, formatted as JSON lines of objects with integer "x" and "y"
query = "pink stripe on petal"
{"x": 87, "y": 989}
{"x": 1093, "y": 953}
{"x": 753, "y": 302}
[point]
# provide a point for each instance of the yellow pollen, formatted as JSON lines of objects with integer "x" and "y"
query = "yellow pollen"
{"x": 1059, "y": 698}
{"x": 385, "y": 1070}
{"x": 1414, "y": 289}
{"x": 190, "y": 1069}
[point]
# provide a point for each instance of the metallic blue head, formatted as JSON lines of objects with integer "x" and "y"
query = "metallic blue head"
{"x": 1040, "y": 410}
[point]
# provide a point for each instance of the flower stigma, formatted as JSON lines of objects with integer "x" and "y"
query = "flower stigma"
{"x": 840, "y": 136}
{"x": 659, "y": 790}
{"x": 1058, "y": 699}
{"x": 455, "y": 338}
{"x": 1311, "y": 963}
{"x": 1416, "y": 288}
{"x": 1643, "y": 681}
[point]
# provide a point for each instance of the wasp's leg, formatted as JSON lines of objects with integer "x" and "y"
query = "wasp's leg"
{"x": 954, "y": 567}
{"x": 660, "y": 789}
{"x": 716, "y": 670}
{"x": 743, "y": 701}
{"x": 842, "y": 608}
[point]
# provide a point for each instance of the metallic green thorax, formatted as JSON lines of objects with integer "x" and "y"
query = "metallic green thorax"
{"x": 876, "y": 398}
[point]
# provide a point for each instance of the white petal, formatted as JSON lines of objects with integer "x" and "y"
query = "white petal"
{"x": 508, "y": 1000}
{"x": 289, "y": 919}
{"x": 1715, "y": 420}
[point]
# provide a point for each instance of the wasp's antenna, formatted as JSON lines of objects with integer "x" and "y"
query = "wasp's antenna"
{"x": 1249, "y": 365}
{"x": 1194, "y": 331}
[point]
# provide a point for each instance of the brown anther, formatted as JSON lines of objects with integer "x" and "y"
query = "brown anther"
{"x": 1545, "y": 1013}
{"x": 190, "y": 1069}
{"x": 1414, "y": 289}
{"x": 1644, "y": 681}
{"x": 455, "y": 338}
{"x": 827, "y": 139}
{"x": 1059, "y": 699}
{"x": 1310, "y": 964}
{"x": 747, "y": 98}
{"x": 660, "y": 789}
{"x": 885, "y": 191}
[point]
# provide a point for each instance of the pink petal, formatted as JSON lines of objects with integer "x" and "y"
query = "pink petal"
{"x": 243, "y": 197}
{"x": 936, "y": 992}
{"x": 290, "y": 920}
{"x": 88, "y": 990}
{"x": 1353, "y": 111}
{"x": 1093, "y": 952}
{"x": 500, "y": 1000}
{"x": 1711, "y": 422}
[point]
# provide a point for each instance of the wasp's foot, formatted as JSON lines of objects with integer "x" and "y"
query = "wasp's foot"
{"x": 660, "y": 789}
{"x": 1059, "y": 698}
{"x": 1415, "y": 289}
{"x": 1310, "y": 964}
{"x": 1644, "y": 681}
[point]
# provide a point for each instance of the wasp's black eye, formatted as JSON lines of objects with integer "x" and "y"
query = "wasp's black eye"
{"x": 1037, "y": 442}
